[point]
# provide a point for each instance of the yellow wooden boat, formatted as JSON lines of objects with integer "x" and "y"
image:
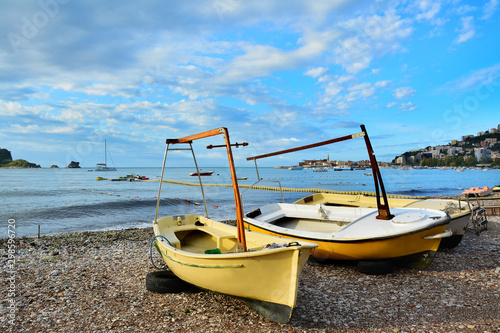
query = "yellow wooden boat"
{"x": 259, "y": 269}
{"x": 463, "y": 212}
{"x": 367, "y": 235}
{"x": 265, "y": 277}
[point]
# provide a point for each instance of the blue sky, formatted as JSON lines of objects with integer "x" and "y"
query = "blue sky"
{"x": 276, "y": 74}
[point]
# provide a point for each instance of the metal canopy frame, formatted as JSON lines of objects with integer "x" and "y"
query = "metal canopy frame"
{"x": 188, "y": 140}
{"x": 383, "y": 208}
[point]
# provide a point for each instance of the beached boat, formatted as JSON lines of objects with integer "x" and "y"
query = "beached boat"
{"x": 201, "y": 173}
{"x": 462, "y": 212}
{"x": 255, "y": 268}
{"x": 478, "y": 191}
{"x": 496, "y": 188}
{"x": 367, "y": 235}
{"x": 104, "y": 166}
{"x": 410, "y": 237}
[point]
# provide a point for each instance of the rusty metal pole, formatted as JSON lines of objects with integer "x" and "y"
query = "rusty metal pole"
{"x": 383, "y": 209}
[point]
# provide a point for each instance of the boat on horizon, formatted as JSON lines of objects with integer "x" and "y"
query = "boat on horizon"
{"x": 261, "y": 270}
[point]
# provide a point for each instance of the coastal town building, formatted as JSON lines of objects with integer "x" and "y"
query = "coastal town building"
{"x": 473, "y": 149}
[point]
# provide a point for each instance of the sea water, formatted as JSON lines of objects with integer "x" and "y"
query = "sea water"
{"x": 66, "y": 200}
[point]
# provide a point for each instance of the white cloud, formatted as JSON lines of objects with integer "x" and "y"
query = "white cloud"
{"x": 482, "y": 77}
{"x": 17, "y": 109}
{"x": 407, "y": 106}
{"x": 316, "y": 72}
{"x": 467, "y": 31}
{"x": 370, "y": 37}
{"x": 403, "y": 92}
{"x": 428, "y": 9}
{"x": 489, "y": 9}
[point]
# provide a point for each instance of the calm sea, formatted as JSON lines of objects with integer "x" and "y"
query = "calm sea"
{"x": 64, "y": 200}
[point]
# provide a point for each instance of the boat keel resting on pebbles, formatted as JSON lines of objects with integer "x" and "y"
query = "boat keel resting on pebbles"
{"x": 261, "y": 270}
{"x": 372, "y": 236}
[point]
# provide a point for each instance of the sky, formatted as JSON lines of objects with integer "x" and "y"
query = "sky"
{"x": 277, "y": 74}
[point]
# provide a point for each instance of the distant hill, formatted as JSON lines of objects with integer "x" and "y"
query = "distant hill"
{"x": 7, "y": 162}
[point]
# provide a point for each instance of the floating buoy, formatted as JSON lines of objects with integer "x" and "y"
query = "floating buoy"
{"x": 83, "y": 189}
{"x": 187, "y": 200}
{"x": 215, "y": 206}
{"x": 154, "y": 197}
{"x": 136, "y": 196}
{"x": 127, "y": 196}
{"x": 117, "y": 195}
{"x": 101, "y": 193}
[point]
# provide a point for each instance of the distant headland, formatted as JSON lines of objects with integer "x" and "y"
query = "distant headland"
{"x": 7, "y": 162}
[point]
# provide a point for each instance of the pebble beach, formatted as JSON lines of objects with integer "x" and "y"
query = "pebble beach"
{"x": 95, "y": 282}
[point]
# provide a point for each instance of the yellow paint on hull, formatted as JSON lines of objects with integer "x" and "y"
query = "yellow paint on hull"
{"x": 265, "y": 275}
{"x": 459, "y": 212}
{"x": 390, "y": 248}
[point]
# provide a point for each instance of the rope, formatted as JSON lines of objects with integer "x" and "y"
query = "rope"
{"x": 287, "y": 189}
{"x": 151, "y": 251}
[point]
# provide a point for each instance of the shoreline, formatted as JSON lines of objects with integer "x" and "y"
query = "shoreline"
{"x": 95, "y": 281}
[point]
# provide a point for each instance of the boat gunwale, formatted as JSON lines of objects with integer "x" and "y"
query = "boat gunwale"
{"x": 324, "y": 240}
{"x": 317, "y": 235}
{"x": 227, "y": 255}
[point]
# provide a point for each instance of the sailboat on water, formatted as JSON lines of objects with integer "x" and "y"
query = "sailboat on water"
{"x": 104, "y": 166}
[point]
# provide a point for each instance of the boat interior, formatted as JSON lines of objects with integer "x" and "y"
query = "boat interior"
{"x": 188, "y": 233}
{"x": 318, "y": 225}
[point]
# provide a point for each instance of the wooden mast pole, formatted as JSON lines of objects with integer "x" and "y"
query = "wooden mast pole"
{"x": 237, "y": 198}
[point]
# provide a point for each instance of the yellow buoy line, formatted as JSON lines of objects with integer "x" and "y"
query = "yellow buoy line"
{"x": 287, "y": 189}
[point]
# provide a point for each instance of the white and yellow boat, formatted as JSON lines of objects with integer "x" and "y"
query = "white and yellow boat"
{"x": 367, "y": 235}
{"x": 230, "y": 260}
{"x": 410, "y": 237}
{"x": 462, "y": 212}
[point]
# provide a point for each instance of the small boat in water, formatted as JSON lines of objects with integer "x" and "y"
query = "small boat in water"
{"x": 261, "y": 270}
{"x": 104, "y": 166}
{"x": 478, "y": 191}
{"x": 296, "y": 167}
{"x": 201, "y": 173}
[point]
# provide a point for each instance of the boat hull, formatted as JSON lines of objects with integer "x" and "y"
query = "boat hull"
{"x": 411, "y": 250}
{"x": 411, "y": 238}
{"x": 459, "y": 212}
{"x": 266, "y": 279}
